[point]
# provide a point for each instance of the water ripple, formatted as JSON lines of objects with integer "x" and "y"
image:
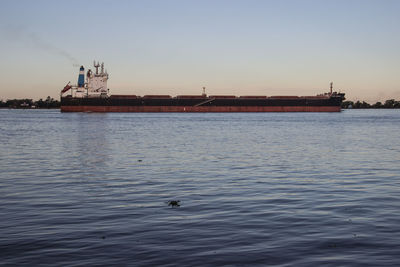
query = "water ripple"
{"x": 255, "y": 189}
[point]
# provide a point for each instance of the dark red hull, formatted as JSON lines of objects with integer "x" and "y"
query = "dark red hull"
{"x": 200, "y": 109}
{"x": 202, "y": 103}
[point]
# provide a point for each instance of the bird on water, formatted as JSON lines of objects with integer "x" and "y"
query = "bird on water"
{"x": 174, "y": 203}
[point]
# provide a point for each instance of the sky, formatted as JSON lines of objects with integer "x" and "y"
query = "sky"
{"x": 235, "y": 47}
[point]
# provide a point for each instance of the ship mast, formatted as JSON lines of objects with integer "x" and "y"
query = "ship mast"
{"x": 96, "y": 65}
{"x": 331, "y": 87}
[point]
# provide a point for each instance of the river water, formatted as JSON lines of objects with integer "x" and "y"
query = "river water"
{"x": 267, "y": 189}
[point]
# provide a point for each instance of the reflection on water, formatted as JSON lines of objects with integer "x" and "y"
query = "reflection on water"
{"x": 91, "y": 142}
{"x": 290, "y": 189}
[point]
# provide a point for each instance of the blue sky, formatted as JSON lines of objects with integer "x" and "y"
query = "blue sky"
{"x": 176, "y": 46}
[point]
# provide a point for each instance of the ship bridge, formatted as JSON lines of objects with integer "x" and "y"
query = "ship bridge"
{"x": 95, "y": 85}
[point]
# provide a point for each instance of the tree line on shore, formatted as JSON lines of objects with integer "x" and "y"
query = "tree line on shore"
{"x": 390, "y": 103}
{"x": 49, "y": 102}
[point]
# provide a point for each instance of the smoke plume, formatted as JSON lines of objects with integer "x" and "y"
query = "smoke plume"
{"x": 22, "y": 35}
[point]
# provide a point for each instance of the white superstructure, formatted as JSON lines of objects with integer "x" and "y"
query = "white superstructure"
{"x": 94, "y": 86}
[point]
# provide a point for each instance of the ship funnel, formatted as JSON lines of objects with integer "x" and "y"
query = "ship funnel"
{"x": 81, "y": 78}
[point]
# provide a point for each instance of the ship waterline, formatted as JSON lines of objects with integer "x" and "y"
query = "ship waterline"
{"x": 199, "y": 109}
{"x": 153, "y": 103}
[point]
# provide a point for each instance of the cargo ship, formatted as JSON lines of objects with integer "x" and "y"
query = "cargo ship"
{"x": 93, "y": 95}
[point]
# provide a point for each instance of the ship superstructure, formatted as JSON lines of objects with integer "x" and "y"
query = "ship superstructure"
{"x": 93, "y": 96}
{"x": 94, "y": 86}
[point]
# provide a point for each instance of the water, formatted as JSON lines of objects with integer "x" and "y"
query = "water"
{"x": 284, "y": 189}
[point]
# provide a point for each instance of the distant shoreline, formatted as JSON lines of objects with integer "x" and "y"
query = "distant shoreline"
{"x": 26, "y": 103}
{"x": 388, "y": 104}
{"x": 28, "y": 108}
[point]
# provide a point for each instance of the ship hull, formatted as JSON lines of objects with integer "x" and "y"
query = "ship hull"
{"x": 199, "y": 109}
{"x": 205, "y": 104}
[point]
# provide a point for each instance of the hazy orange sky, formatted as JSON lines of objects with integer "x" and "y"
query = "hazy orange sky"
{"x": 177, "y": 46}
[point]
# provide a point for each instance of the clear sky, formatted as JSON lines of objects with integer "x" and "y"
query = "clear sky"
{"x": 240, "y": 47}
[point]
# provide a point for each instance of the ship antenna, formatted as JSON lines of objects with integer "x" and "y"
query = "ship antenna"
{"x": 96, "y": 65}
{"x": 331, "y": 87}
{"x": 204, "y": 91}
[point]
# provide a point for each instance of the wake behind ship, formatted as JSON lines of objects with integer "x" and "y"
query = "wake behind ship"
{"x": 92, "y": 95}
